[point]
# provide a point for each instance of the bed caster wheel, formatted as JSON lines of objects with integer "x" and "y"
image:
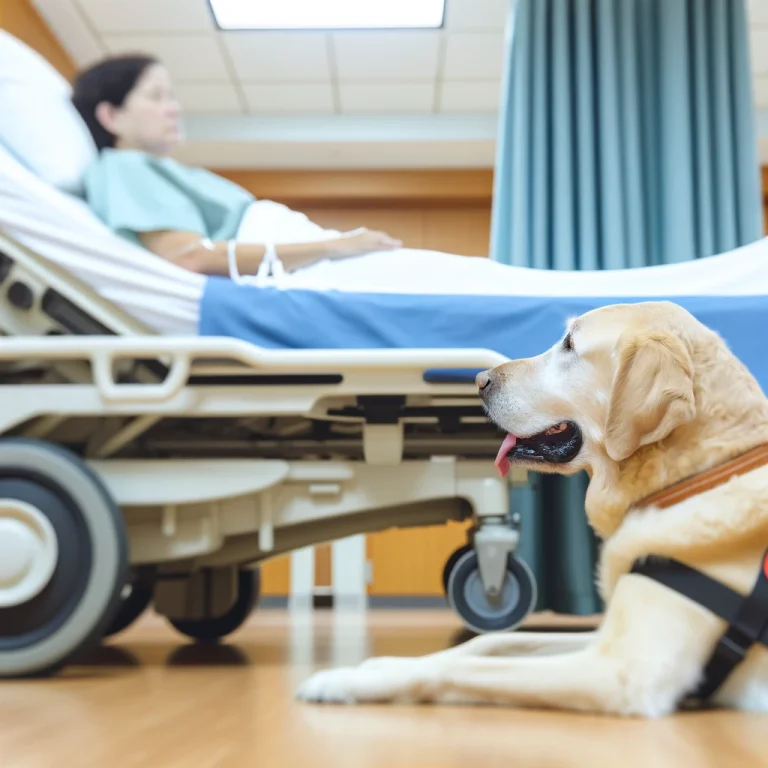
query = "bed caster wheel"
{"x": 211, "y": 629}
{"x": 450, "y": 563}
{"x": 481, "y": 613}
{"x": 63, "y": 558}
{"x": 135, "y": 598}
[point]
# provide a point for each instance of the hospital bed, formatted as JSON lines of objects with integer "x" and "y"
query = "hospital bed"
{"x": 160, "y": 437}
{"x": 137, "y": 465}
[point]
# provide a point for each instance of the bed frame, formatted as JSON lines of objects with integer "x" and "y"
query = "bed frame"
{"x": 176, "y": 465}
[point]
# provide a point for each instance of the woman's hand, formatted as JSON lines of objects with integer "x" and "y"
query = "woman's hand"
{"x": 363, "y": 241}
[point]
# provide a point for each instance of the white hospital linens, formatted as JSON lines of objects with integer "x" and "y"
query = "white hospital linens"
{"x": 63, "y": 229}
{"x": 266, "y": 221}
{"x": 743, "y": 271}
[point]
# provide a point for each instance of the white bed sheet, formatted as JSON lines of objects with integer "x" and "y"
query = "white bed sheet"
{"x": 741, "y": 272}
{"x": 63, "y": 229}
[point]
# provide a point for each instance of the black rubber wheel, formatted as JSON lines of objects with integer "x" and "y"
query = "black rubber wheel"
{"x": 135, "y": 598}
{"x": 450, "y": 563}
{"x": 467, "y": 597}
{"x": 63, "y": 557}
{"x": 213, "y": 628}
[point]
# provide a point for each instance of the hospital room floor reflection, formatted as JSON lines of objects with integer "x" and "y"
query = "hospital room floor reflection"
{"x": 150, "y": 698}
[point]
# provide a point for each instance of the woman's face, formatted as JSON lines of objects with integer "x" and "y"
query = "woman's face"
{"x": 150, "y": 117}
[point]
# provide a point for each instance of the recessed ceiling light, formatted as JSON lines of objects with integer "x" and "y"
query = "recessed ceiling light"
{"x": 328, "y": 14}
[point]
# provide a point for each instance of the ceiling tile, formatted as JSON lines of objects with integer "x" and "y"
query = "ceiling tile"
{"x": 761, "y": 91}
{"x": 476, "y": 14}
{"x": 401, "y": 55}
{"x": 149, "y": 15}
{"x": 387, "y": 97}
{"x": 473, "y": 56}
{"x": 76, "y": 36}
{"x": 210, "y": 98}
{"x": 475, "y": 96}
{"x": 279, "y": 56}
{"x": 289, "y": 98}
{"x": 759, "y": 50}
{"x": 194, "y": 58}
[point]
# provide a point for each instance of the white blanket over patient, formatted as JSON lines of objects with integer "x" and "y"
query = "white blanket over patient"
{"x": 409, "y": 270}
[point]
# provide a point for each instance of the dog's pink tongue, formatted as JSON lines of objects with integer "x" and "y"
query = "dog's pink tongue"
{"x": 502, "y": 462}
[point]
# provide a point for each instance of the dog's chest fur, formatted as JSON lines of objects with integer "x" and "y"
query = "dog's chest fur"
{"x": 728, "y": 524}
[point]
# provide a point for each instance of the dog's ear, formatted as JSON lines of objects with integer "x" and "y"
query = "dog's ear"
{"x": 652, "y": 391}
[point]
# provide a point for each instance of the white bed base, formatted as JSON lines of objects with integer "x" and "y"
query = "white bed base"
{"x": 215, "y": 511}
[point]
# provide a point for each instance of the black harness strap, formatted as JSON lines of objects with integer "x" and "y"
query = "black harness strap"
{"x": 747, "y": 617}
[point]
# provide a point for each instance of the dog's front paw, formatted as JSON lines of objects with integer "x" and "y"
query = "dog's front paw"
{"x": 377, "y": 682}
{"x": 331, "y": 686}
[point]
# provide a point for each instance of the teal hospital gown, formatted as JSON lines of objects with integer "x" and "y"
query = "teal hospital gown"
{"x": 133, "y": 192}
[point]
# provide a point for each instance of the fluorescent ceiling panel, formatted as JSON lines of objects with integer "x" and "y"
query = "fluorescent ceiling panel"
{"x": 328, "y": 14}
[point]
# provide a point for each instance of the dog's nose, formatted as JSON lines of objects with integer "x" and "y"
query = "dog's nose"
{"x": 483, "y": 379}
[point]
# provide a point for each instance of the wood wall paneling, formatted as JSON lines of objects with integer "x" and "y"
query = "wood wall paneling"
{"x": 276, "y": 576}
{"x": 21, "y": 19}
{"x": 463, "y": 230}
{"x": 362, "y": 188}
{"x": 410, "y": 561}
{"x": 323, "y": 558}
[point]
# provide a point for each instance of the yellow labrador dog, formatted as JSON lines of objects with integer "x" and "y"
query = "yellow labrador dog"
{"x": 641, "y": 396}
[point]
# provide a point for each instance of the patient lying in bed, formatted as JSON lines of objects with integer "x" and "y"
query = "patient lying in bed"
{"x": 186, "y": 215}
{"x": 189, "y": 216}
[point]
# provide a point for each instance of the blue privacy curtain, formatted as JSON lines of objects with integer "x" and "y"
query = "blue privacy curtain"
{"x": 626, "y": 138}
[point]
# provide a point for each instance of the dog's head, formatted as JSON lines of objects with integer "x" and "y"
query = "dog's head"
{"x": 620, "y": 378}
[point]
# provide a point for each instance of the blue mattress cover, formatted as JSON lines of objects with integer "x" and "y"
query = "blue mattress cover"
{"x": 514, "y": 326}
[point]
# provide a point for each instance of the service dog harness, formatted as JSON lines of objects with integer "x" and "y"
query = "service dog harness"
{"x": 747, "y": 616}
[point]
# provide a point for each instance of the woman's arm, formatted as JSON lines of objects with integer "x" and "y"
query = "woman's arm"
{"x": 185, "y": 250}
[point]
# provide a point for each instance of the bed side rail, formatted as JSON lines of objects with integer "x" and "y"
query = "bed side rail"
{"x": 181, "y": 354}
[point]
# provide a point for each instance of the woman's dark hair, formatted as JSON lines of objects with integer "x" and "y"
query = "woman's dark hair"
{"x": 110, "y": 80}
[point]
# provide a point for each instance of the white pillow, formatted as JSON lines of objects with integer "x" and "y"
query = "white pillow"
{"x": 39, "y": 125}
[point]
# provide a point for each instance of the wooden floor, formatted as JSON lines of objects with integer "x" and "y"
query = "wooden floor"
{"x": 151, "y": 700}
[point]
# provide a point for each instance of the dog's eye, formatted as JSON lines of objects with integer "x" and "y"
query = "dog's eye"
{"x": 568, "y": 343}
